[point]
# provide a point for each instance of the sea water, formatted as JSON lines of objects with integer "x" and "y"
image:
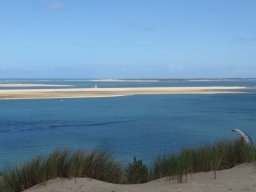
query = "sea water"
{"x": 144, "y": 126}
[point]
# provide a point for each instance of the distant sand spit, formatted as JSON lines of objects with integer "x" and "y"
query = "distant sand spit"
{"x": 111, "y": 92}
{"x": 31, "y": 85}
{"x": 127, "y": 80}
{"x": 237, "y": 179}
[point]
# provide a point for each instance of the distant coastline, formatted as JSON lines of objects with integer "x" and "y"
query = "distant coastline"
{"x": 172, "y": 80}
{"x": 125, "y": 80}
{"x": 9, "y": 80}
{"x": 10, "y": 85}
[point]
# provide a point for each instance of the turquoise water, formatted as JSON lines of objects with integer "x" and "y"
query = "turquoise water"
{"x": 142, "y": 126}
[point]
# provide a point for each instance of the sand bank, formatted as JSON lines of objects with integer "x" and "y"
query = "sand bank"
{"x": 240, "y": 178}
{"x": 127, "y": 80}
{"x": 111, "y": 92}
{"x": 31, "y": 85}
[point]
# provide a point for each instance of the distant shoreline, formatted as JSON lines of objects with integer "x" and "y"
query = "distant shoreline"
{"x": 113, "y": 92}
{"x": 9, "y": 85}
{"x": 6, "y": 80}
{"x": 127, "y": 80}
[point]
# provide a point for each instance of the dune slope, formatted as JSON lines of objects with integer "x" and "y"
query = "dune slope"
{"x": 238, "y": 179}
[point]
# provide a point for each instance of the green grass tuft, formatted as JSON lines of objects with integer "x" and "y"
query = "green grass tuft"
{"x": 137, "y": 172}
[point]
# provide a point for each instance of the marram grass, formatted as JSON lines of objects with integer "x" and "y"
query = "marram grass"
{"x": 222, "y": 155}
{"x": 99, "y": 165}
{"x": 64, "y": 164}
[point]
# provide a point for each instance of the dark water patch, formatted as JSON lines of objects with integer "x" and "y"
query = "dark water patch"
{"x": 4, "y": 130}
{"x": 43, "y": 126}
{"x": 94, "y": 124}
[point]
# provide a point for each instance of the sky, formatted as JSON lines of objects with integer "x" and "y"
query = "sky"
{"x": 127, "y": 38}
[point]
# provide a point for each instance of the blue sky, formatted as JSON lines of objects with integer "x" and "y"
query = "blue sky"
{"x": 127, "y": 38}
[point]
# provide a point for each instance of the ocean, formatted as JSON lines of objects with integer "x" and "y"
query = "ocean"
{"x": 144, "y": 126}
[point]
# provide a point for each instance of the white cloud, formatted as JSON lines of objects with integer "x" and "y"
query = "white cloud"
{"x": 174, "y": 68}
{"x": 55, "y": 6}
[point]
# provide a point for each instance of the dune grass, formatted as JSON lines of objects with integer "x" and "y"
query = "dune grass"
{"x": 99, "y": 165}
{"x": 64, "y": 164}
{"x": 222, "y": 155}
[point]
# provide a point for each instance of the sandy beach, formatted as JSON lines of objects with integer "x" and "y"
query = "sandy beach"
{"x": 111, "y": 92}
{"x": 238, "y": 179}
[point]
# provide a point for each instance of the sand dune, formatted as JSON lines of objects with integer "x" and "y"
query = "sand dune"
{"x": 111, "y": 92}
{"x": 238, "y": 179}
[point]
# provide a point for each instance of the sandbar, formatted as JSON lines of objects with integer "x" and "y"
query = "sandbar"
{"x": 112, "y": 92}
{"x": 127, "y": 80}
